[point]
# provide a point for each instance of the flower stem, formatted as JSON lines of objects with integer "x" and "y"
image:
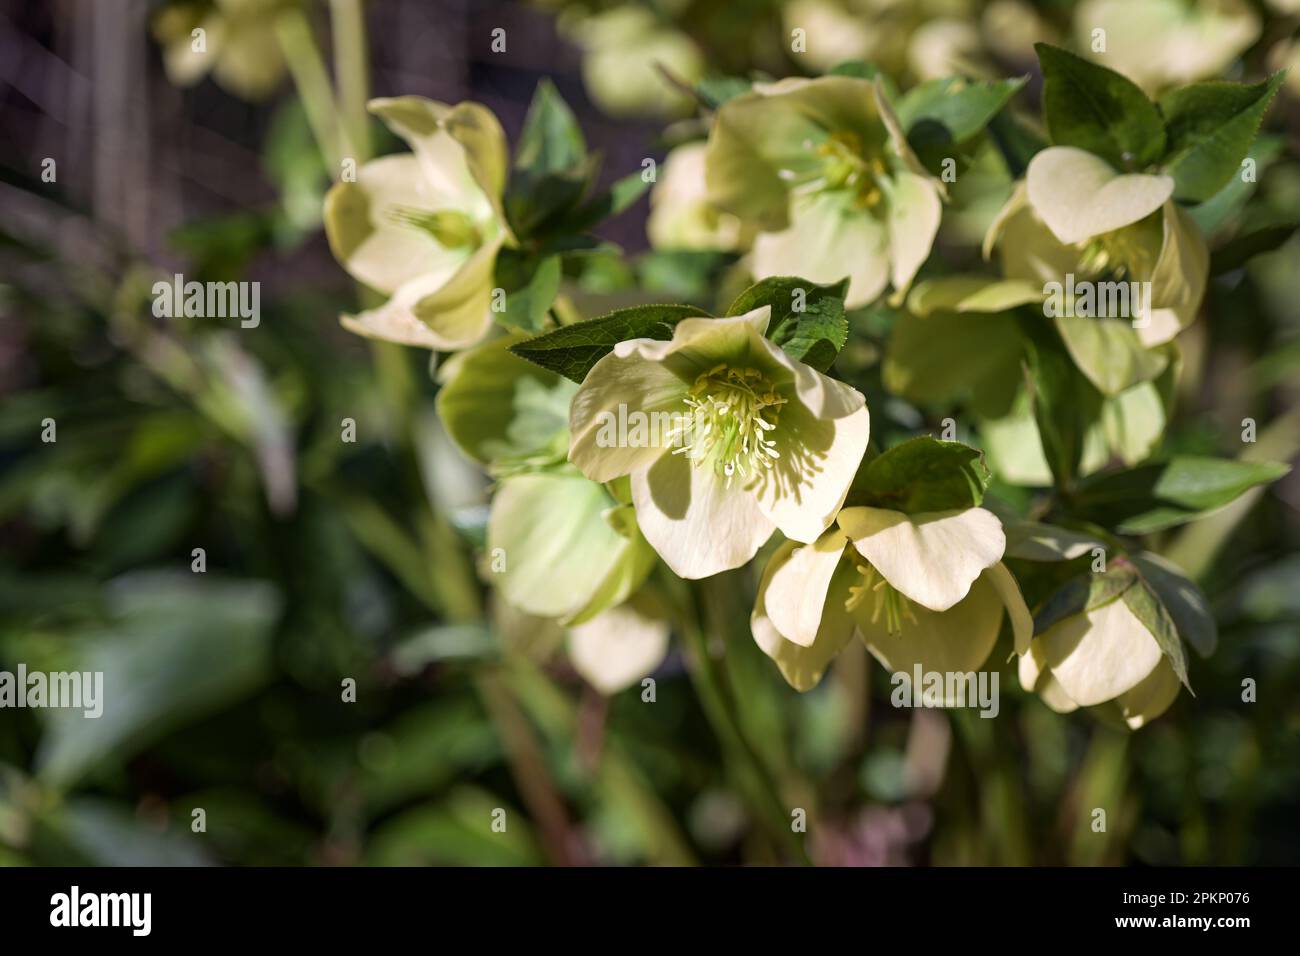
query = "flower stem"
{"x": 351, "y": 73}
{"x": 311, "y": 80}
{"x": 719, "y": 707}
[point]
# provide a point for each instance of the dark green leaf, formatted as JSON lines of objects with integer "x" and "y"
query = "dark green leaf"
{"x": 1017, "y": 140}
{"x": 922, "y": 475}
{"x": 807, "y": 319}
{"x": 621, "y": 195}
{"x": 574, "y": 349}
{"x": 1184, "y": 601}
{"x": 1210, "y": 130}
{"x": 530, "y": 285}
{"x": 1164, "y": 494}
{"x": 1241, "y": 249}
{"x": 1064, "y": 403}
{"x": 1099, "y": 110}
{"x": 1083, "y": 593}
{"x": 953, "y": 109}
{"x": 1225, "y": 205}
{"x": 1148, "y": 609}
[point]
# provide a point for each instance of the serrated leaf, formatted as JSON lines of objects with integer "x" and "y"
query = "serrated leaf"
{"x": 1098, "y": 110}
{"x": 574, "y": 349}
{"x": 1148, "y": 609}
{"x": 1210, "y": 128}
{"x": 921, "y": 475}
{"x": 1164, "y": 494}
{"x": 1084, "y": 593}
{"x": 1221, "y": 208}
{"x": 808, "y": 320}
{"x": 552, "y": 170}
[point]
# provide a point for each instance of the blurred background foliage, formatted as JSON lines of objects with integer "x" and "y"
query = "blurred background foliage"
{"x": 328, "y": 560}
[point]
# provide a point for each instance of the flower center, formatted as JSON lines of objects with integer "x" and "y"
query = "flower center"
{"x": 886, "y": 601}
{"x": 450, "y": 227}
{"x": 844, "y": 164}
{"x": 1130, "y": 251}
{"x": 731, "y": 414}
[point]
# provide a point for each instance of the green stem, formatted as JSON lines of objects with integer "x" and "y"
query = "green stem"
{"x": 312, "y": 82}
{"x": 719, "y": 708}
{"x": 351, "y": 73}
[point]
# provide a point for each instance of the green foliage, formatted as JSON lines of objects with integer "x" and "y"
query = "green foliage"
{"x": 1099, "y": 110}
{"x": 530, "y": 283}
{"x": 807, "y": 319}
{"x": 1210, "y": 130}
{"x": 574, "y": 349}
{"x": 1164, "y": 494}
{"x": 923, "y": 475}
{"x": 944, "y": 113}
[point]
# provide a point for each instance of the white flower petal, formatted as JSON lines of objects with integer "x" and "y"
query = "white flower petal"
{"x": 1151, "y": 698}
{"x": 1101, "y": 654}
{"x": 1179, "y": 278}
{"x": 367, "y": 231}
{"x": 618, "y": 648}
{"x": 828, "y": 238}
{"x": 803, "y": 667}
{"x": 1079, "y": 196}
{"x": 616, "y": 388}
{"x": 698, "y": 525}
{"x": 931, "y": 558}
{"x": 956, "y": 640}
{"x": 796, "y": 594}
{"x": 1022, "y": 622}
{"x": 914, "y": 213}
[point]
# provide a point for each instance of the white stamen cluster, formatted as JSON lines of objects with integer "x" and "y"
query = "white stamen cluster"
{"x": 731, "y": 414}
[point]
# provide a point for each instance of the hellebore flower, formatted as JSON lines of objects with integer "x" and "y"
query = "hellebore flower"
{"x": 619, "y": 647}
{"x": 424, "y": 227}
{"x": 681, "y": 216}
{"x": 623, "y": 52}
{"x": 563, "y": 547}
{"x": 1094, "y": 649}
{"x": 742, "y": 439}
{"x": 238, "y": 45}
{"x": 1075, "y": 216}
{"x": 1102, "y": 655}
{"x": 1163, "y": 43}
{"x": 921, "y": 589}
{"x": 823, "y": 169}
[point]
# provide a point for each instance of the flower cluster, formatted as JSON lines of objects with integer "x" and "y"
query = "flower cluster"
{"x": 817, "y": 203}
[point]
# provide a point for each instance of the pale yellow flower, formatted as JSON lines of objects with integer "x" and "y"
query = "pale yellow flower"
{"x": 744, "y": 440}
{"x": 924, "y": 589}
{"x": 424, "y": 227}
